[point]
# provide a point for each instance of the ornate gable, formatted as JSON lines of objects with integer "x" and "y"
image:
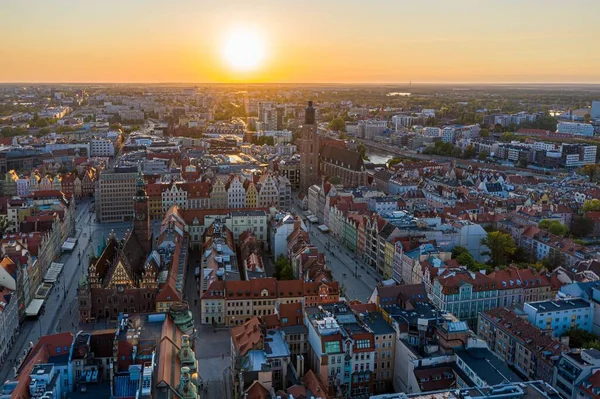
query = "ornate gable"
{"x": 120, "y": 276}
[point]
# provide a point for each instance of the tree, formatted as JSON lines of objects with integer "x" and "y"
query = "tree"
{"x": 554, "y": 226}
{"x": 5, "y": 223}
{"x": 456, "y": 152}
{"x": 459, "y": 250}
{"x": 262, "y": 140}
{"x": 283, "y": 269}
{"x": 587, "y": 118}
{"x": 500, "y": 246}
{"x": 466, "y": 259}
{"x": 337, "y": 124}
{"x": 590, "y": 171}
{"x": 470, "y": 152}
{"x": 592, "y": 205}
{"x": 579, "y": 338}
{"x": 484, "y": 133}
{"x": 483, "y": 155}
{"x": 362, "y": 150}
{"x": 553, "y": 260}
{"x": 523, "y": 163}
{"x": 497, "y": 128}
{"x": 582, "y": 226}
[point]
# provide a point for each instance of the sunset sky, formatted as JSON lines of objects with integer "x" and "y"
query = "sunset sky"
{"x": 346, "y": 41}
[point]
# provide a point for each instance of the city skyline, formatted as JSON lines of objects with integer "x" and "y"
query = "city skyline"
{"x": 299, "y": 42}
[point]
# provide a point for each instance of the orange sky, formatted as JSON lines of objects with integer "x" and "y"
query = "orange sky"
{"x": 348, "y": 41}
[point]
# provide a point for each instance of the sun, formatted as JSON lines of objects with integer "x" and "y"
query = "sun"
{"x": 244, "y": 50}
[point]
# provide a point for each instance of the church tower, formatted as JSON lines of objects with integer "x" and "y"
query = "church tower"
{"x": 309, "y": 150}
{"x": 141, "y": 224}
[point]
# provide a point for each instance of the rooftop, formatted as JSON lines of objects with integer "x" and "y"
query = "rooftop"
{"x": 488, "y": 367}
{"x": 552, "y": 306}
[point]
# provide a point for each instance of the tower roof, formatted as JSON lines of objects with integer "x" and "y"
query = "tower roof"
{"x": 309, "y": 114}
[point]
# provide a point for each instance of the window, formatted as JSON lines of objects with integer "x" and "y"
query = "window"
{"x": 363, "y": 344}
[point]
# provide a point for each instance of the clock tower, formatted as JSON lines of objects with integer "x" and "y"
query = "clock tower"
{"x": 141, "y": 212}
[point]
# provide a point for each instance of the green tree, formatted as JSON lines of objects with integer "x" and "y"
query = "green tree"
{"x": 337, "y": 124}
{"x": 554, "y": 226}
{"x": 5, "y": 223}
{"x": 456, "y": 152}
{"x": 484, "y": 133}
{"x": 466, "y": 259}
{"x": 362, "y": 150}
{"x": 470, "y": 152}
{"x": 587, "y": 118}
{"x": 459, "y": 250}
{"x": 590, "y": 171}
{"x": 579, "y": 338}
{"x": 283, "y": 269}
{"x": 500, "y": 245}
{"x": 553, "y": 260}
{"x": 592, "y": 205}
{"x": 582, "y": 226}
{"x": 483, "y": 155}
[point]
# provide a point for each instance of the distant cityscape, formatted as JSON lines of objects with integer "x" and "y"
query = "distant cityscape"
{"x": 299, "y": 241}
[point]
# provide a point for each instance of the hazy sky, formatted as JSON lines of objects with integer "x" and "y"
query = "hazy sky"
{"x": 306, "y": 41}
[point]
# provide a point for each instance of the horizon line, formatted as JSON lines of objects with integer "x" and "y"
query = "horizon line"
{"x": 411, "y": 83}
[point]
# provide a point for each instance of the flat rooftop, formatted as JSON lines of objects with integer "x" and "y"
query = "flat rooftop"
{"x": 566, "y": 304}
{"x": 487, "y": 366}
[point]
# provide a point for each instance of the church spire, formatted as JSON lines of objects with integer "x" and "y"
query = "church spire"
{"x": 140, "y": 185}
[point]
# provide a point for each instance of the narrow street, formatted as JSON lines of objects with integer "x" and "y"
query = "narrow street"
{"x": 61, "y": 305}
{"x": 343, "y": 264}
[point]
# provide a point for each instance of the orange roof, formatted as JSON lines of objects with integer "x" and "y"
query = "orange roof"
{"x": 168, "y": 292}
{"x": 41, "y": 352}
{"x": 257, "y": 391}
{"x": 248, "y": 336}
{"x": 169, "y": 364}
{"x": 315, "y": 385}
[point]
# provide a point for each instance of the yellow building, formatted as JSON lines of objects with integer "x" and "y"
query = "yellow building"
{"x": 251, "y": 194}
{"x": 388, "y": 265}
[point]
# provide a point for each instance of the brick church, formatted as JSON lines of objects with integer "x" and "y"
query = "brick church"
{"x": 124, "y": 279}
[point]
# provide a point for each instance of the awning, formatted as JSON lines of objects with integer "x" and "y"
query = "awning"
{"x": 53, "y": 272}
{"x": 34, "y": 307}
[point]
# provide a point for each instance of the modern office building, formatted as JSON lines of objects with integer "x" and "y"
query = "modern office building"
{"x": 580, "y": 129}
{"x": 114, "y": 195}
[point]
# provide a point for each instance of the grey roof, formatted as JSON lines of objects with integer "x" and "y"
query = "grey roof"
{"x": 567, "y": 304}
{"x": 487, "y": 366}
{"x": 377, "y": 323}
{"x": 275, "y": 345}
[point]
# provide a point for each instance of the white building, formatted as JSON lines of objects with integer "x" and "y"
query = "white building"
{"x": 236, "y": 194}
{"x": 101, "y": 148}
{"x": 580, "y": 129}
{"x": 431, "y": 131}
{"x": 402, "y": 121}
{"x": 174, "y": 196}
{"x": 280, "y": 231}
{"x": 370, "y": 128}
{"x": 595, "y": 110}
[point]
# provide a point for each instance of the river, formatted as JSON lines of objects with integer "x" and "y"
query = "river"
{"x": 379, "y": 157}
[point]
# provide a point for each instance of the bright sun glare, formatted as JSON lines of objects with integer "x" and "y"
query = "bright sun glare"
{"x": 244, "y": 50}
